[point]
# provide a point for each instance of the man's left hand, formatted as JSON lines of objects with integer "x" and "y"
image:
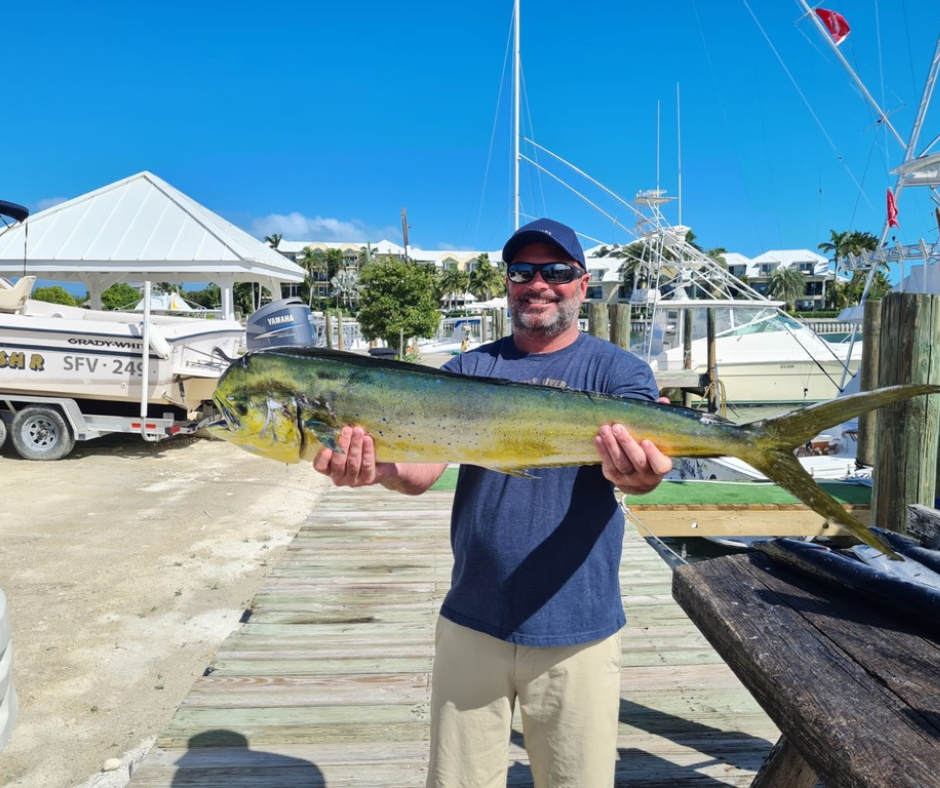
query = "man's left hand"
{"x": 633, "y": 467}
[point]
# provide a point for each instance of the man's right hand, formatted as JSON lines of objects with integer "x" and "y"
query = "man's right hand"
{"x": 355, "y": 465}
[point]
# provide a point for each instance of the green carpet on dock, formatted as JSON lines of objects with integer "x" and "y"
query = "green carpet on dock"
{"x": 713, "y": 493}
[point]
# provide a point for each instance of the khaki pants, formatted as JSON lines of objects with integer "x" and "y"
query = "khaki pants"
{"x": 569, "y": 700}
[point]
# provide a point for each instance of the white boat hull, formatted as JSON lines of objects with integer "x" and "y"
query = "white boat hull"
{"x": 764, "y": 359}
{"x": 48, "y": 349}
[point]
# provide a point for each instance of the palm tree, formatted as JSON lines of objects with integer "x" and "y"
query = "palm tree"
{"x": 273, "y": 240}
{"x": 837, "y": 295}
{"x": 314, "y": 262}
{"x": 787, "y": 284}
{"x": 454, "y": 283}
{"x": 856, "y": 242}
{"x": 836, "y": 246}
{"x": 334, "y": 262}
{"x": 486, "y": 280}
{"x": 841, "y": 245}
{"x": 346, "y": 286}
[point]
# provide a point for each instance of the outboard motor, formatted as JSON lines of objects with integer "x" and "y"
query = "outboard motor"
{"x": 279, "y": 324}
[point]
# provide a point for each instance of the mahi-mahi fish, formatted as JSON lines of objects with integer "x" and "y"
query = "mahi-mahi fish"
{"x": 288, "y": 403}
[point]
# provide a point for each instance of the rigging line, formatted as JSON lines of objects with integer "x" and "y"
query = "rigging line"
{"x": 806, "y": 102}
{"x": 639, "y": 214}
{"x": 492, "y": 145}
{"x": 570, "y": 188}
{"x": 729, "y": 135}
{"x": 641, "y": 526}
{"x": 538, "y": 187}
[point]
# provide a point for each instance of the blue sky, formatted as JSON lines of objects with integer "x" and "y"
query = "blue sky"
{"x": 322, "y": 121}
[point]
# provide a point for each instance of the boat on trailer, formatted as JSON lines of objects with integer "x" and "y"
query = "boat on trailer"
{"x": 69, "y": 373}
{"x": 87, "y": 354}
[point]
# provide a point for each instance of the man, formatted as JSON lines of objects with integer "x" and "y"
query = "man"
{"x": 534, "y": 612}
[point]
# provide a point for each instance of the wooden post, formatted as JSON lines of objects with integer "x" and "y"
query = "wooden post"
{"x": 598, "y": 320}
{"x": 868, "y": 380}
{"x": 686, "y": 316}
{"x": 500, "y": 329}
{"x": 712, "y": 361}
{"x": 341, "y": 340}
{"x": 328, "y": 328}
{"x": 785, "y": 767}
{"x": 484, "y": 327}
{"x": 905, "y": 466}
{"x": 620, "y": 325}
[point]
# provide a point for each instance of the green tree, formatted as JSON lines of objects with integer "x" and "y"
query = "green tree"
{"x": 210, "y": 297}
{"x": 487, "y": 280}
{"x": 334, "y": 262}
{"x": 841, "y": 245}
{"x": 787, "y": 284}
{"x": 453, "y": 283}
{"x": 837, "y": 295}
{"x": 397, "y": 299}
{"x": 314, "y": 262}
{"x": 120, "y": 296}
{"x": 273, "y": 240}
{"x": 56, "y": 294}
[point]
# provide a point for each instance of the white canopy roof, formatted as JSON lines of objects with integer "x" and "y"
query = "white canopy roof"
{"x": 139, "y": 229}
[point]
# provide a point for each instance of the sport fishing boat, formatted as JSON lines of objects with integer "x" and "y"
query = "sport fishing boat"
{"x": 85, "y": 354}
{"x": 692, "y": 317}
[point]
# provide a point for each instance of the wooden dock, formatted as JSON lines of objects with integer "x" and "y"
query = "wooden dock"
{"x": 326, "y": 683}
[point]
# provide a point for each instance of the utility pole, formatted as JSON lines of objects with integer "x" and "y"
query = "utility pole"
{"x": 404, "y": 231}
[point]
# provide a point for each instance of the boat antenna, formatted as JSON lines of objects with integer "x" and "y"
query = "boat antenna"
{"x": 679, "y": 151}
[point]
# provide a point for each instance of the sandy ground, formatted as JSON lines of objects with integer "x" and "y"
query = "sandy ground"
{"x": 125, "y": 565}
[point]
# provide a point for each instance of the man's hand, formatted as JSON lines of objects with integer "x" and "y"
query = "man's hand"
{"x": 633, "y": 467}
{"x": 356, "y": 465}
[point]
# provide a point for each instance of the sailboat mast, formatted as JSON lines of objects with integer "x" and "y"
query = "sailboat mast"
{"x": 517, "y": 89}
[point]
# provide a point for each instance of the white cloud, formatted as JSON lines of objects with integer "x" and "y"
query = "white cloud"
{"x": 297, "y": 227}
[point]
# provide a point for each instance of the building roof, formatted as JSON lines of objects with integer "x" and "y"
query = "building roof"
{"x": 137, "y": 229}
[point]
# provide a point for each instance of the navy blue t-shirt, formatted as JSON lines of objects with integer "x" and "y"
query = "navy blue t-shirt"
{"x": 537, "y": 561}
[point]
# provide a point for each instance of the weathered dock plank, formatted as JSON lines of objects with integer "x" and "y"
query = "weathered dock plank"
{"x": 328, "y": 680}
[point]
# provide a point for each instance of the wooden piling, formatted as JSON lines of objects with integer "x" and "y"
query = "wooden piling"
{"x": 686, "y": 353}
{"x": 328, "y": 328}
{"x": 598, "y": 320}
{"x": 905, "y": 465}
{"x": 712, "y": 361}
{"x": 620, "y": 325}
{"x": 868, "y": 380}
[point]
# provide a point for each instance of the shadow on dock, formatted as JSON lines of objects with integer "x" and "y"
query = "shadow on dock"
{"x": 214, "y": 756}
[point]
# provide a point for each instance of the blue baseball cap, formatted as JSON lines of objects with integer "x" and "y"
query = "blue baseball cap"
{"x": 545, "y": 231}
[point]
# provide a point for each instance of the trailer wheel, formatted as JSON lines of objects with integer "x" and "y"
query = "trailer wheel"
{"x": 40, "y": 433}
{"x": 3, "y": 432}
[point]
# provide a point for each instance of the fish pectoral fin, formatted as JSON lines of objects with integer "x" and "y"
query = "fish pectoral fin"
{"x": 521, "y": 472}
{"x": 324, "y": 433}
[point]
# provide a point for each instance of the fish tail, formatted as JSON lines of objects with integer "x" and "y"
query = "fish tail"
{"x": 782, "y": 466}
{"x": 770, "y": 444}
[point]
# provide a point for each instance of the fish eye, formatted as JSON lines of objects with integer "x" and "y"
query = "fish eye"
{"x": 241, "y": 408}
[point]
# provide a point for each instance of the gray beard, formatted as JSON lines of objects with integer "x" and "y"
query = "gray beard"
{"x": 565, "y": 314}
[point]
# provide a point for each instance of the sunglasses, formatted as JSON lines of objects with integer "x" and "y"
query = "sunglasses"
{"x": 552, "y": 273}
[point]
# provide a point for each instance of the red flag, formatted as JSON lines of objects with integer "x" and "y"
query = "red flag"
{"x": 835, "y": 23}
{"x": 892, "y": 210}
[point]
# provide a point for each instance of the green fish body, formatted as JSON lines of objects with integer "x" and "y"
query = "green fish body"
{"x": 288, "y": 403}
